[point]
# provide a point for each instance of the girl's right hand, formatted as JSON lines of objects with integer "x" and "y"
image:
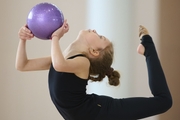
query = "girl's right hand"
{"x": 24, "y": 33}
{"x": 61, "y": 31}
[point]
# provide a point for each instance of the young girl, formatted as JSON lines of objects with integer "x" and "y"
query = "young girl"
{"x": 89, "y": 57}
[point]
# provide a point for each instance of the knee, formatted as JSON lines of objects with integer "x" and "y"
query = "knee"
{"x": 168, "y": 102}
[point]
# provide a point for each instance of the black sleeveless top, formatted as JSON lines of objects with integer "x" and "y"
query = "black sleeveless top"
{"x": 68, "y": 93}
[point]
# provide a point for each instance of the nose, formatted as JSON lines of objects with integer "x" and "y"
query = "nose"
{"x": 94, "y": 31}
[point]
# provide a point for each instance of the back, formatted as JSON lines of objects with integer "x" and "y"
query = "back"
{"x": 68, "y": 93}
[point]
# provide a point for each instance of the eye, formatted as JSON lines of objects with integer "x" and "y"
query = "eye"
{"x": 100, "y": 36}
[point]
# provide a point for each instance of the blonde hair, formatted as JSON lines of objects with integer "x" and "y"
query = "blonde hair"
{"x": 101, "y": 67}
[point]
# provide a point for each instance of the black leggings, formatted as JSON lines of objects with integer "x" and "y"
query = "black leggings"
{"x": 140, "y": 107}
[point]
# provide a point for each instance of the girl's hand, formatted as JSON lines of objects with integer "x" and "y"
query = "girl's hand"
{"x": 25, "y": 34}
{"x": 61, "y": 31}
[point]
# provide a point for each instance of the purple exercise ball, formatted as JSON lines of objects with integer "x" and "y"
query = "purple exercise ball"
{"x": 44, "y": 19}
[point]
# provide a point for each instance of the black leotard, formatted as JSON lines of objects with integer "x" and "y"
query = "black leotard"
{"x": 68, "y": 93}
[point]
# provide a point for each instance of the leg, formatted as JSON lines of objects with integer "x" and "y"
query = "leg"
{"x": 137, "y": 108}
{"x": 157, "y": 80}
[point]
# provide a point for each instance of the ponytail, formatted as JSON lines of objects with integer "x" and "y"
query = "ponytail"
{"x": 114, "y": 78}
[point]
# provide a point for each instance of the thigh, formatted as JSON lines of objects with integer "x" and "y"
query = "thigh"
{"x": 128, "y": 108}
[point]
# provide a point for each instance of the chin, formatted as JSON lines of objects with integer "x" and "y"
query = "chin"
{"x": 82, "y": 32}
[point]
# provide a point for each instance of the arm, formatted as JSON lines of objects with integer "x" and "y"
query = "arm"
{"x": 67, "y": 65}
{"x": 22, "y": 62}
{"x": 59, "y": 62}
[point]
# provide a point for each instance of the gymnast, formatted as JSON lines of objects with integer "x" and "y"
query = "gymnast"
{"x": 89, "y": 57}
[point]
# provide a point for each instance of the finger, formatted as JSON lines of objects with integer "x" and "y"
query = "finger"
{"x": 26, "y": 29}
{"x": 25, "y": 34}
{"x": 26, "y": 37}
{"x": 63, "y": 25}
{"x": 22, "y": 37}
{"x": 66, "y": 26}
{"x": 65, "y": 20}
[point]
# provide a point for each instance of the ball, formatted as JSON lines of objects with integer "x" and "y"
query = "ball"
{"x": 43, "y": 19}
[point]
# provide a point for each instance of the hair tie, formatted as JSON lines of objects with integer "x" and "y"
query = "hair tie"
{"x": 109, "y": 71}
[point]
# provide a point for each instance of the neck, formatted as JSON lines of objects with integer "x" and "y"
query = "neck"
{"x": 76, "y": 47}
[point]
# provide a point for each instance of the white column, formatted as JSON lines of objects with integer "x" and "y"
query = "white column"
{"x": 113, "y": 19}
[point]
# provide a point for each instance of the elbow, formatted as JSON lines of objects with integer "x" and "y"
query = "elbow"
{"x": 21, "y": 65}
{"x": 19, "y": 68}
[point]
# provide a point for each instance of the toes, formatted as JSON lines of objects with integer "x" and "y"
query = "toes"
{"x": 142, "y": 31}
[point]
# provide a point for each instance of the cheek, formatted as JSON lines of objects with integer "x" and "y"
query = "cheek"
{"x": 106, "y": 44}
{"x": 103, "y": 44}
{"x": 92, "y": 39}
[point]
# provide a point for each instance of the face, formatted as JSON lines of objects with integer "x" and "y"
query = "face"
{"x": 94, "y": 40}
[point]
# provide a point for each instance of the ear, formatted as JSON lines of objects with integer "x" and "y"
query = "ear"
{"x": 94, "y": 52}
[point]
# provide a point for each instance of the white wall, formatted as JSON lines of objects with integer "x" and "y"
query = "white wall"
{"x": 114, "y": 20}
{"x": 25, "y": 96}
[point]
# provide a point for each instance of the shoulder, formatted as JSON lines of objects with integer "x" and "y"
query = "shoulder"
{"x": 79, "y": 58}
{"x": 74, "y": 64}
{"x": 82, "y": 68}
{"x": 83, "y": 62}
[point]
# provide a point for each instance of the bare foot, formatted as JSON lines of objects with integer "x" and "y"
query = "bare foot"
{"x": 142, "y": 31}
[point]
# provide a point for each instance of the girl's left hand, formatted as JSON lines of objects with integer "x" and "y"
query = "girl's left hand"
{"x": 61, "y": 31}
